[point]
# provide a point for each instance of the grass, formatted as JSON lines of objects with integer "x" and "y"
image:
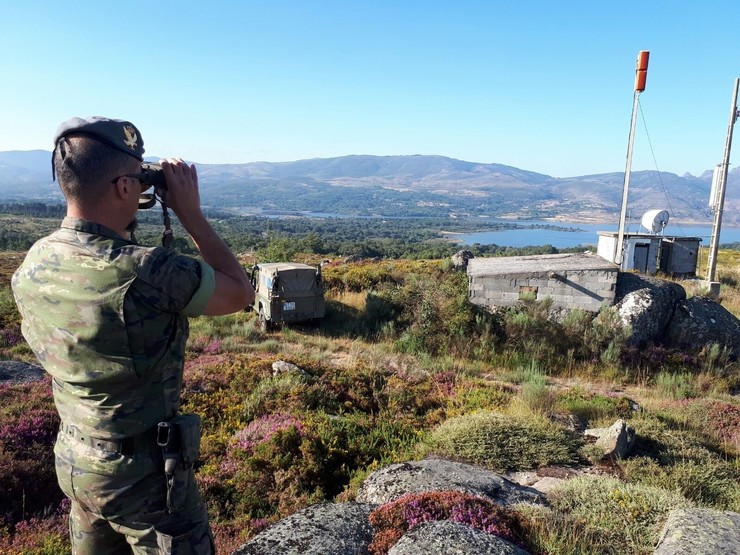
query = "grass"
{"x": 600, "y": 515}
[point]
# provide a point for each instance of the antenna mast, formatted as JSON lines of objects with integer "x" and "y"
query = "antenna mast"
{"x": 640, "y": 80}
{"x": 720, "y": 198}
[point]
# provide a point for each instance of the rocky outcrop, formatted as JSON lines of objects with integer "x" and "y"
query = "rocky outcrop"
{"x": 443, "y": 537}
{"x": 13, "y": 371}
{"x": 345, "y": 529}
{"x": 658, "y": 310}
{"x": 699, "y": 532}
{"x": 396, "y": 480}
{"x": 460, "y": 259}
{"x": 699, "y": 321}
{"x": 323, "y": 529}
{"x": 616, "y": 441}
{"x": 646, "y": 305}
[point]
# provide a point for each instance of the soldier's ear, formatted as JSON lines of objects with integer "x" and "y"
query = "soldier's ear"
{"x": 124, "y": 186}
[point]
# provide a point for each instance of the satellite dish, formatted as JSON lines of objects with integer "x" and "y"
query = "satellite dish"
{"x": 655, "y": 220}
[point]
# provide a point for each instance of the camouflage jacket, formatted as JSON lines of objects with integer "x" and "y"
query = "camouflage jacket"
{"x": 108, "y": 320}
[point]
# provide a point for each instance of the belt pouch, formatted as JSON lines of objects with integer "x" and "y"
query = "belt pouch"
{"x": 180, "y": 442}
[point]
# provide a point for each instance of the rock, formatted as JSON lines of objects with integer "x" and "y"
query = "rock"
{"x": 699, "y": 532}
{"x": 452, "y": 538}
{"x": 569, "y": 421}
{"x": 646, "y": 305}
{"x": 323, "y": 529}
{"x": 460, "y": 259}
{"x": 282, "y": 367}
{"x": 616, "y": 441}
{"x": 544, "y": 479}
{"x": 396, "y": 480}
{"x": 699, "y": 321}
{"x": 14, "y": 371}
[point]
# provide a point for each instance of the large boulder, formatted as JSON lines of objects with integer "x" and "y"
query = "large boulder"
{"x": 322, "y": 529}
{"x": 616, "y": 441}
{"x": 14, "y": 371}
{"x": 460, "y": 259}
{"x": 646, "y": 305}
{"x": 451, "y": 538}
{"x": 699, "y": 321}
{"x": 699, "y": 532}
{"x": 394, "y": 481}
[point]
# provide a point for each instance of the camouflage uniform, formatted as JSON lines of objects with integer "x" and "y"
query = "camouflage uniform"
{"x": 108, "y": 320}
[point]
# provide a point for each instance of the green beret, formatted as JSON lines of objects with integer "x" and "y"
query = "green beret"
{"x": 119, "y": 134}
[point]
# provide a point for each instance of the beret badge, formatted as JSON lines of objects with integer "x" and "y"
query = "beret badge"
{"x": 130, "y": 136}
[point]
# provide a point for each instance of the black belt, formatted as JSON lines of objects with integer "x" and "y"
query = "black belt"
{"x": 126, "y": 446}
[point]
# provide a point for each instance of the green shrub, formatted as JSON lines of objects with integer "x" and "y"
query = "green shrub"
{"x": 547, "y": 531}
{"x": 473, "y": 394}
{"x": 501, "y": 442}
{"x": 710, "y": 482}
{"x": 538, "y": 397}
{"x": 9, "y": 314}
{"x": 675, "y": 386}
{"x": 626, "y": 517}
{"x": 274, "y": 394}
{"x": 435, "y": 317}
{"x": 606, "y": 337}
{"x": 589, "y": 407}
{"x": 676, "y": 449}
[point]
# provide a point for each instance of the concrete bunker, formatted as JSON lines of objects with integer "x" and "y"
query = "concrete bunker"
{"x": 572, "y": 281}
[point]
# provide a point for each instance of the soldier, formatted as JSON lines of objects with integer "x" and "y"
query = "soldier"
{"x": 108, "y": 320}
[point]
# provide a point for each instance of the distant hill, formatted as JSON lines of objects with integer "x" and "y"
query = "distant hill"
{"x": 416, "y": 185}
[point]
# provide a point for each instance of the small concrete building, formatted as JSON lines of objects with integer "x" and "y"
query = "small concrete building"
{"x": 640, "y": 250}
{"x": 584, "y": 281}
{"x": 647, "y": 253}
{"x": 679, "y": 256}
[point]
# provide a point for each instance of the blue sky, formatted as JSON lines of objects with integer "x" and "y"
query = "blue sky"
{"x": 541, "y": 85}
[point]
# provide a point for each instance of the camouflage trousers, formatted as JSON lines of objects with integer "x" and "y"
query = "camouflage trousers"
{"x": 119, "y": 504}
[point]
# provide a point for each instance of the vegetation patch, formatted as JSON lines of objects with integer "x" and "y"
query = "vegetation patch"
{"x": 621, "y": 517}
{"x": 392, "y": 520}
{"x": 403, "y": 362}
{"x": 501, "y": 442}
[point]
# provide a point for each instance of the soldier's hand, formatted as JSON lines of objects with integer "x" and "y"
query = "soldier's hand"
{"x": 182, "y": 194}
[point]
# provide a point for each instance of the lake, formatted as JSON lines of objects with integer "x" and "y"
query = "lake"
{"x": 585, "y": 236}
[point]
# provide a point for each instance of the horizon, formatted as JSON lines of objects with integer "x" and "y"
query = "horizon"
{"x": 538, "y": 85}
{"x": 198, "y": 163}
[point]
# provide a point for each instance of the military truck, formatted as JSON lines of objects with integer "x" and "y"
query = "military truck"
{"x": 287, "y": 292}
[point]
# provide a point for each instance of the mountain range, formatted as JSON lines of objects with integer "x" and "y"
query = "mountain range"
{"x": 415, "y": 185}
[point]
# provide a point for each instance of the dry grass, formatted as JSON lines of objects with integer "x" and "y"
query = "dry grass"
{"x": 728, "y": 274}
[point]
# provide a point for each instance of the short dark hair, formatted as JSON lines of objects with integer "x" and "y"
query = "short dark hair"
{"x": 83, "y": 165}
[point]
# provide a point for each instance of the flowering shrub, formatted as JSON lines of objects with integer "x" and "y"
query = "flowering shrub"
{"x": 207, "y": 373}
{"x": 47, "y": 535}
{"x": 264, "y": 428}
{"x": 38, "y": 426}
{"x": 10, "y": 336}
{"x": 28, "y": 486}
{"x": 724, "y": 423}
{"x": 394, "y": 519}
